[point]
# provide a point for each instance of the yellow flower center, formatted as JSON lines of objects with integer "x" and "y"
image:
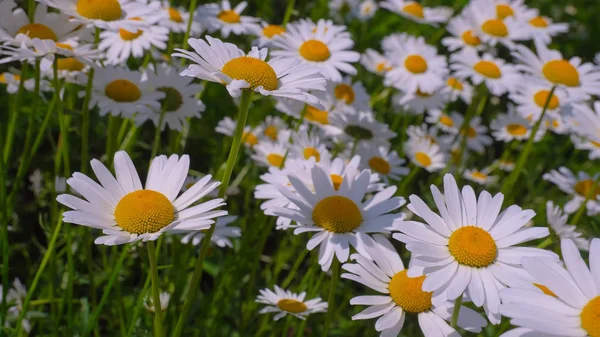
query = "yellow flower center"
{"x": 174, "y": 15}
{"x": 479, "y": 175}
{"x": 3, "y": 77}
{"x": 590, "y": 317}
{"x": 446, "y": 120}
{"x": 414, "y": 9}
{"x": 416, "y": 64}
{"x": 382, "y": 67}
{"x": 70, "y": 64}
{"x": 312, "y": 152}
{"x": 275, "y": 159}
{"x": 315, "y": 50}
{"x": 471, "y": 133}
{"x": 539, "y": 22}
{"x": 144, "y": 211}
{"x": 229, "y": 16}
{"x": 106, "y": 10}
{"x": 252, "y": 70}
{"x": 336, "y": 180}
{"x": 584, "y": 187}
{"x": 470, "y": 39}
{"x": 545, "y": 289}
{"x": 122, "y": 90}
{"x": 503, "y": 11}
{"x": 129, "y": 36}
{"x": 272, "y": 30}
{"x": 37, "y": 30}
{"x": 423, "y": 159}
{"x": 292, "y": 306}
{"x": 379, "y": 165}
{"x": 455, "y": 84}
{"x": 317, "y": 116}
{"x": 472, "y": 246}
{"x": 337, "y": 214}
{"x": 344, "y": 92}
{"x": 542, "y": 96}
{"x": 408, "y": 294}
{"x": 250, "y": 138}
{"x": 516, "y": 129}
{"x": 561, "y": 72}
{"x": 271, "y": 132}
{"x": 596, "y": 144}
{"x": 495, "y": 27}
{"x": 422, "y": 94}
{"x": 488, "y": 69}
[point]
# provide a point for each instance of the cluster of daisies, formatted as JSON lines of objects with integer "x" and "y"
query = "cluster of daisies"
{"x": 332, "y": 166}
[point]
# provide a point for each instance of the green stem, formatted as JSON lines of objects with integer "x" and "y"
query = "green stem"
{"x": 4, "y": 216}
{"x": 335, "y": 279}
{"x": 456, "y": 311}
{"x": 545, "y": 243}
{"x": 514, "y": 175}
{"x": 465, "y": 128}
{"x": 231, "y": 160}
{"x": 10, "y": 132}
{"x": 408, "y": 179}
{"x": 155, "y": 289}
{"x": 294, "y": 270}
{"x": 583, "y": 206}
{"x": 288, "y": 12}
{"x": 85, "y": 113}
{"x": 138, "y": 306}
{"x": 157, "y": 133}
{"x": 186, "y": 36}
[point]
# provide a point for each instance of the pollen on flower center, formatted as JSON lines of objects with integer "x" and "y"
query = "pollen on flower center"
{"x": 561, "y": 72}
{"x": 416, "y": 64}
{"x": 106, "y": 10}
{"x": 495, "y": 27}
{"x": 542, "y": 96}
{"x": 229, "y": 16}
{"x": 173, "y": 99}
{"x": 249, "y": 138}
{"x": 315, "y": 115}
{"x": 315, "y": 50}
{"x": 539, "y": 22}
{"x": 70, "y": 64}
{"x": 122, "y": 90}
{"x": 37, "y": 30}
{"x": 414, "y": 9}
{"x": 336, "y": 180}
{"x": 470, "y": 39}
{"x": 312, "y": 152}
{"x": 503, "y": 11}
{"x": 423, "y": 159}
{"x": 516, "y": 129}
{"x": 472, "y": 246}
{"x": 446, "y": 120}
{"x": 358, "y": 132}
{"x": 337, "y": 214}
{"x": 144, "y": 211}
{"x": 590, "y": 317}
{"x": 585, "y": 187}
{"x": 488, "y": 69}
{"x": 272, "y": 30}
{"x": 275, "y": 159}
{"x": 174, "y": 15}
{"x": 408, "y": 294}
{"x": 292, "y": 306}
{"x": 344, "y": 92}
{"x": 382, "y": 67}
{"x": 380, "y": 165}
{"x": 271, "y": 132}
{"x": 129, "y": 36}
{"x": 455, "y": 84}
{"x": 252, "y": 70}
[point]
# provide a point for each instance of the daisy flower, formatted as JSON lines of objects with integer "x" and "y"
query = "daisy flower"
{"x": 579, "y": 186}
{"x": 456, "y": 88}
{"x": 510, "y": 8}
{"x": 348, "y": 93}
{"x": 383, "y": 161}
{"x": 12, "y": 82}
{"x": 583, "y": 143}
{"x": 60, "y": 184}
{"x": 221, "y": 17}
{"x": 531, "y": 96}
{"x": 586, "y": 121}
{"x": 423, "y": 153}
{"x": 470, "y": 246}
{"x": 14, "y": 300}
{"x": 476, "y": 132}
{"x": 105, "y": 14}
{"x": 419, "y": 102}
{"x": 179, "y": 102}
{"x": 272, "y": 127}
{"x": 557, "y": 221}
{"x": 285, "y": 302}
{"x": 542, "y": 29}
{"x": 483, "y": 17}
{"x": 221, "y": 235}
{"x": 127, "y": 212}
{"x": 580, "y": 80}
{"x": 424, "y": 133}
{"x": 499, "y": 76}
{"x": 124, "y": 92}
{"x": 463, "y": 35}
{"x": 269, "y": 153}
{"x": 415, "y": 64}
{"x": 365, "y": 10}
{"x": 350, "y": 126}
{"x": 572, "y": 308}
{"x": 318, "y": 116}
{"x": 326, "y": 47}
{"x": 414, "y": 11}
{"x": 164, "y": 297}
{"x": 401, "y": 295}
{"x": 266, "y": 32}
{"x": 445, "y": 122}
{"x": 340, "y": 217}
{"x": 511, "y": 126}
{"x": 505, "y": 165}
{"x": 250, "y": 137}
{"x": 482, "y": 177}
{"x": 225, "y": 63}
{"x": 176, "y": 19}
{"x": 307, "y": 145}
{"x": 375, "y": 62}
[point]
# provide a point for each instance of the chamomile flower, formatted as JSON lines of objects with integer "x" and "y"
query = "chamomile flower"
{"x": 423, "y": 153}
{"x": 179, "y": 102}
{"x": 443, "y": 121}
{"x": 531, "y": 97}
{"x": 499, "y": 76}
{"x": 583, "y": 143}
{"x": 476, "y": 133}
{"x": 347, "y": 93}
{"x": 510, "y": 8}
{"x": 401, "y": 295}
{"x": 127, "y": 212}
{"x": 482, "y": 16}
{"x": 571, "y": 309}
{"x": 541, "y": 28}
{"x": 272, "y": 127}
{"x": 456, "y": 88}
{"x": 326, "y": 47}
{"x": 14, "y": 301}
{"x": 123, "y": 92}
{"x": 557, "y": 221}
{"x": 482, "y": 177}
{"x": 469, "y": 247}
{"x": 463, "y": 35}
{"x": 340, "y": 217}
{"x": 120, "y": 44}
{"x": 580, "y": 80}
{"x": 176, "y": 19}
{"x": 424, "y": 133}
{"x": 506, "y": 165}
{"x": 318, "y": 116}
{"x": 365, "y": 10}
{"x": 511, "y": 126}
{"x": 340, "y": 169}
{"x": 250, "y": 137}
{"x": 579, "y": 186}
{"x": 164, "y": 298}
{"x": 12, "y": 82}
{"x": 419, "y": 102}
{"x": 266, "y": 32}
{"x": 415, "y": 64}
{"x": 586, "y": 121}
{"x": 414, "y": 11}
{"x": 383, "y": 161}
{"x": 269, "y": 153}
{"x": 307, "y": 145}
{"x": 60, "y": 184}
{"x": 225, "y": 63}
{"x": 351, "y": 126}
{"x": 285, "y": 302}
{"x": 105, "y": 14}
{"x": 221, "y": 235}
{"x": 221, "y": 17}
{"x": 375, "y": 62}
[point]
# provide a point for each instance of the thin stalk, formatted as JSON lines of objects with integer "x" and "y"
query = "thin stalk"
{"x": 456, "y": 311}
{"x": 155, "y": 289}
{"x": 545, "y": 243}
{"x": 63, "y": 125}
{"x": 288, "y": 12}
{"x": 294, "y": 270}
{"x": 514, "y": 175}
{"x": 335, "y": 279}
{"x": 231, "y": 160}
{"x": 186, "y": 36}
{"x": 408, "y": 179}
{"x": 85, "y": 113}
{"x": 464, "y": 129}
{"x": 157, "y": 133}
{"x": 10, "y": 132}
{"x": 4, "y": 237}
{"x": 138, "y": 306}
